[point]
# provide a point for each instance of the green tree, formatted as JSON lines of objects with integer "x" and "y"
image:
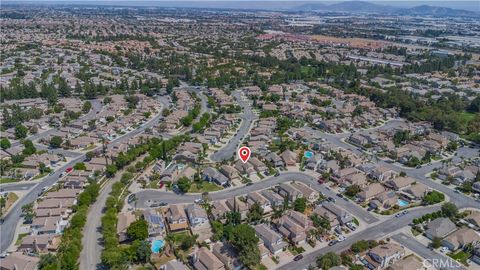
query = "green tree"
{"x": 5, "y": 143}
{"x": 56, "y": 141}
{"x": 433, "y": 197}
{"x": 21, "y": 131}
{"x": 29, "y": 148}
{"x": 47, "y": 261}
{"x": 138, "y": 230}
{"x": 300, "y": 205}
{"x": 80, "y": 166}
{"x": 359, "y": 246}
{"x": 141, "y": 251}
{"x": 449, "y": 209}
{"x": 89, "y": 155}
{"x": 217, "y": 228}
{"x": 436, "y": 242}
{"x": 111, "y": 170}
{"x": 328, "y": 260}
{"x": 87, "y": 106}
{"x": 245, "y": 242}
{"x": 188, "y": 242}
{"x": 255, "y": 213}
{"x": 352, "y": 190}
{"x": 184, "y": 184}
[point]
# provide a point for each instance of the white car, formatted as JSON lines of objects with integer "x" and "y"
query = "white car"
{"x": 444, "y": 249}
{"x": 341, "y": 238}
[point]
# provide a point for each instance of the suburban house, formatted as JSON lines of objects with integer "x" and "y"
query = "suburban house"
{"x": 370, "y": 191}
{"x": 382, "y": 173}
{"x": 155, "y": 222}
{"x": 460, "y": 238}
{"x": 289, "y": 158}
{"x": 294, "y": 226}
{"x": 176, "y": 218}
{"x": 474, "y": 219}
{"x": 227, "y": 255}
{"x": 385, "y": 255}
{"x": 19, "y": 261}
{"x": 399, "y": 183}
{"x": 274, "y": 199}
{"x": 258, "y": 165}
{"x": 229, "y": 172}
{"x": 40, "y": 243}
{"x": 124, "y": 220}
{"x": 213, "y": 175}
{"x": 308, "y": 193}
{"x": 415, "y": 192}
{"x": 48, "y": 225}
{"x": 328, "y": 209}
{"x": 218, "y": 210}
{"x": 275, "y": 160}
{"x": 289, "y": 192}
{"x": 408, "y": 263}
{"x": 440, "y": 228}
{"x": 197, "y": 216}
{"x": 238, "y": 205}
{"x": 204, "y": 259}
{"x": 271, "y": 239}
{"x": 255, "y": 197}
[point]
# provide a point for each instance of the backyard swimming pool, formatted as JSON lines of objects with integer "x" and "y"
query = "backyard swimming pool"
{"x": 308, "y": 154}
{"x": 157, "y": 245}
{"x": 402, "y": 203}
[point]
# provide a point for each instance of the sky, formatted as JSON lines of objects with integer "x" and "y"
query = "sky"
{"x": 459, "y": 4}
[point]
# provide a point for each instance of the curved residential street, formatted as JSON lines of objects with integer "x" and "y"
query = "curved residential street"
{"x": 7, "y": 229}
{"x": 230, "y": 149}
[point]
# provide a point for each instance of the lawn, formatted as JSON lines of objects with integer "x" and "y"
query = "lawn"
{"x": 20, "y": 237}
{"x": 460, "y": 256}
{"x": 40, "y": 175}
{"x": 466, "y": 116}
{"x": 153, "y": 184}
{"x": 200, "y": 187}
{"x": 178, "y": 237}
{"x": 7, "y": 180}
{"x": 296, "y": 250}
{"x": 90, "y": 147}
{"x": 11, "y": 199}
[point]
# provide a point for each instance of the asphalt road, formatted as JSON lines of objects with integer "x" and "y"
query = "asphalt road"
{"x": 17, "y": 186}
{"x": 379, "y": 230}
{"x": 146, "y": 196}
{"x": 7, "y": 229}
{"x": 90, "y": 257}
{"x": 432, "y": 257}
{"x": 459, "y": 199}
{"x": 230, "y": 149}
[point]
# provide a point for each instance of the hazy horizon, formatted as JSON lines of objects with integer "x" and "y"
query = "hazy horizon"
{"x": 244, "y": 4}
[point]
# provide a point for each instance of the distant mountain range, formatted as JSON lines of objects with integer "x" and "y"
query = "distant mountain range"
{"x": 367, "y": 7}
{"x": 445, "y": 8}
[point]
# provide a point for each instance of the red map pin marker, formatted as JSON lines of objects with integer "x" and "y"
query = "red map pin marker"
{"x": 244, "y": 153}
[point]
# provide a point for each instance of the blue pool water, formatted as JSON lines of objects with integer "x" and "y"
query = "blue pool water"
{"x": 157, "y": 245}
{"x": 308, "y": 154}
{"x": 402, "y": 203}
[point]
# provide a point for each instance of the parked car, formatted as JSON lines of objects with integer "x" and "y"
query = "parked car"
{"x": 298, "y": 257}
{"x": 332, "y": 242}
